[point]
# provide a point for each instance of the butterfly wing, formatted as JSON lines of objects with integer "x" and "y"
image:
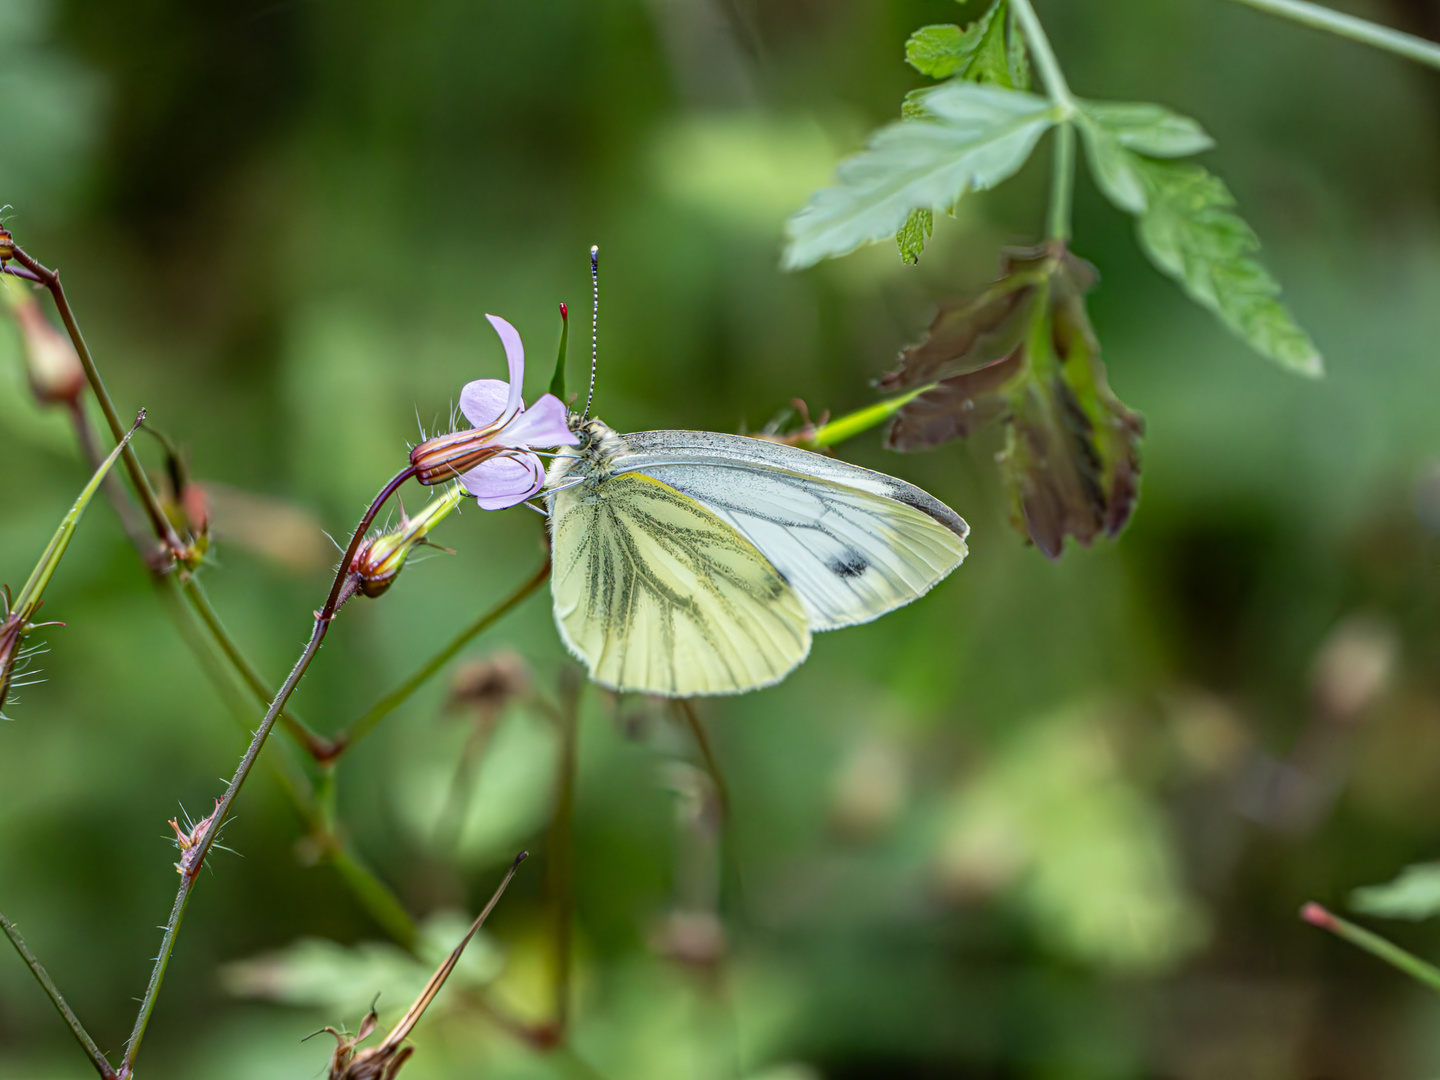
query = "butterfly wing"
{"x": 854, "y": 543}
{"x": 658, "y": 594}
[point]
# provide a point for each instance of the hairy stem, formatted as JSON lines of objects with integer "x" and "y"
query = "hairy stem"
{"x": 158, "y": 521}
{"x": 358, "y": 729}
{"x": 316, "y": 745}
{"x": 102, "y": 1066}
{"x": 1349, "y": 27}
{"x": 195, "y": 858}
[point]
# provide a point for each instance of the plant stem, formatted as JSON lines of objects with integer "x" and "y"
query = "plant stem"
{"x": 1062, "y": 183}
{"x": 560, "y": 847}
{"x": 861, "y": 420}
{"x": 317, "y": 746}
{"x": 158, "y": 521}
{"x": 1374, "y": 944}
{"x": 102, "y": 1066}
{"x": 358, "y": 729}
{"x": 686, "y": 708}
{"x": 1045, "y": 62}
{"x": 198, "y": 853}
{"x": 1365, "y": 32}
{"x": 374, "y": 895}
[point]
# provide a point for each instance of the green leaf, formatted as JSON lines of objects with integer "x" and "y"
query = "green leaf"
{"x": 1415, "y": 894}
{"x": 1113, "y": 129}
{"x": 1190, "y": 230}
{"x": 971, "y": 138}
{"x": 940, "y": 51}
{"x": 913, "y": 234}
{"x": 29, "y": 598}
{"x": 1148, "y": 129}
{"x": 990, "y": 51}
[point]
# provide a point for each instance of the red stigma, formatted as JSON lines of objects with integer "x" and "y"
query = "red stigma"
{"x": 564, "y": 311}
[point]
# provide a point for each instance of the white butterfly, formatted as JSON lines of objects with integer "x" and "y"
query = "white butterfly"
{"x": 688, "y": 562}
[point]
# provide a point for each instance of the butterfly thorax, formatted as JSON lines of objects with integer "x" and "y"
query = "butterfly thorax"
{"x": 590, "y": 462}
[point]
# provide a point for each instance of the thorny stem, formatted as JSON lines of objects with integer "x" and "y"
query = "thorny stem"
{"x": 559, "y": 847}
{"x": 358, "y": 729}
{"x": 158, "y": 521}
{"x": 372, "y": 893}
{"x": 102, "y": 1066}
{"x": 134, "y": 529}
{"x": 316, "y": 745}
{"x": 1348, "y": 26}
{"x": 196, "y": 856}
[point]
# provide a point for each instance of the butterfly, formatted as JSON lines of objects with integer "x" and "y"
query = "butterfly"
{"x": 691, "y": 563}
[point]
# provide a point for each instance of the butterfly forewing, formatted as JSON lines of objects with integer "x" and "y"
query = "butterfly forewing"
{"x": 658, "y": 594}
{"x": 854, "y": 543}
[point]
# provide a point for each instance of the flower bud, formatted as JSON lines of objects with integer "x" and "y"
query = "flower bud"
{"x": 446, "y": 457}
{"x": 12, "y": 635}
{"x": 54, "y": 369}
{"x": 7, "y": 245}
{"x": 380, "y": 560}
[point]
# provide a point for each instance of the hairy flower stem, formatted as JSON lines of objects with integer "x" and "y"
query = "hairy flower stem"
{"x": 1351, "y": 28}
{"x": 158, "y": 521}
{"x": 196, "y": 858}
{"x": 102, "y": 1066}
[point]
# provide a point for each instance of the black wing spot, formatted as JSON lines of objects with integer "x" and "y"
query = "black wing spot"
{"x": 849, "y": 564}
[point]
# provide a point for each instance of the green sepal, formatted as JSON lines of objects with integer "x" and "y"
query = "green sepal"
{"x": 557, "y": 380}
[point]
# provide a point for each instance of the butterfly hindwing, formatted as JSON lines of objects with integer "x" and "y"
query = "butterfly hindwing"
{"x": 657, "y": 593}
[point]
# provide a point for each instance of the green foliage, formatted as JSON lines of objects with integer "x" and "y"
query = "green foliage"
{"x": 1191, "y": 231}
{"x": 971, "y": 138}
{"x": 1188, "y": 225}
{"x": 913, "y": 234}
{"x": 990, "y": 52}
{"x": 1415, "y": 894}
{"x": 1023, "y": 351}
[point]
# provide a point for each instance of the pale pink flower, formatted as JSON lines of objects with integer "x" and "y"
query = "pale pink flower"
{"x": 493, "y": 459}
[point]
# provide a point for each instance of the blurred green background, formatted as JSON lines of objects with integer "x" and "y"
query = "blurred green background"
{"x": 1053, "y": 821}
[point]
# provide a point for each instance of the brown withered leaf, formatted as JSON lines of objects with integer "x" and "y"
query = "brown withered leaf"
{"x": 1023, "y": 352}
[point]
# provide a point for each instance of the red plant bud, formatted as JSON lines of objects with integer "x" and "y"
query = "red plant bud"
{"x": 7, "y": 245}
{"x": 1316, "y": 915}
{"x": 53, "y": 368}
{"x": 12, "y": 634}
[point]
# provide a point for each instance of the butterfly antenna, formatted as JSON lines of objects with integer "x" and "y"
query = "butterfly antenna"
{"x": 594, "y": 323}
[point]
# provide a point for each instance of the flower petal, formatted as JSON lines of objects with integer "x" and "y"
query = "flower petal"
{"x": 543, "y": 424}
{"x": 483, "y": 401}
{"x": 505, "y": 480}
{"x": 515, "y": 356}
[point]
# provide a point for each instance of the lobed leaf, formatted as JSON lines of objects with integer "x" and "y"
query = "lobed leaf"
{"x": 970, "y": 138}
{"x": 1190, "y": 230}
{"x": 941, "y": 51}
{"x": 1115, "y": 132}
